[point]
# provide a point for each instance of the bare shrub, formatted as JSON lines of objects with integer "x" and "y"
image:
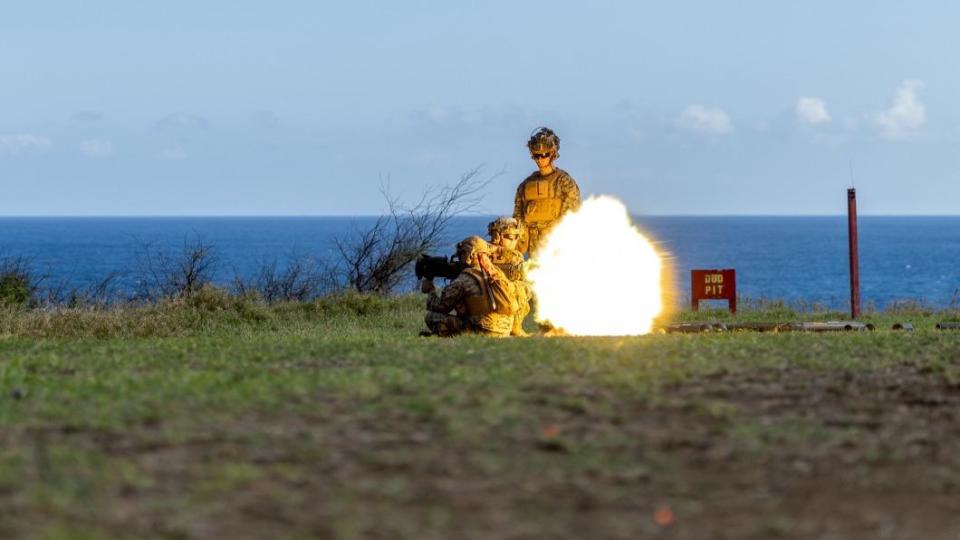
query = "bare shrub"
{"x": 171, "y": 275}
{"x": 19, "y": 283}
{"x": 96, "y": 295}
{"x": 375, "y": 259}
{"x": 298, "y": 279}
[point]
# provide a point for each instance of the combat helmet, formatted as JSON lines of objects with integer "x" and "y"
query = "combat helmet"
{"x": 470, "y": 246}
{"x": 544, "y": 141}
{"x": 504, "y": 225}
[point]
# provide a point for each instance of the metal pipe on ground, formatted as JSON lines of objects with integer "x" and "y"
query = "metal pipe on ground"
{"x": 831, "y": 326}
{"x": 828, "y": 326}
{"x": 758, "y": 326}
{"x": 692, "y": 327}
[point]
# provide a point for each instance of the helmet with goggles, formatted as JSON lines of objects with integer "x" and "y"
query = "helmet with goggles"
{"x": 544, "y": 141}
{"x": 505, "y": 226}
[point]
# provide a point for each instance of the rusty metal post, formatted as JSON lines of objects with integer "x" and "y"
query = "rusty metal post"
{"x": 854, "y": 253}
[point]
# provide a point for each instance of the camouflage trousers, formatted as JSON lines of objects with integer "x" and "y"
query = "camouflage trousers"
{"x": 445, "y": 325}
{"x": 524, "y": 297}
{"x": 535, "y": 236}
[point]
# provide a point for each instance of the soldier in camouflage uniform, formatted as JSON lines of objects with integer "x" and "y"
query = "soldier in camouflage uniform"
{"x": 505, "y": 234}
{"x": 547, "y": 194}
{"x": 467, "y": 296}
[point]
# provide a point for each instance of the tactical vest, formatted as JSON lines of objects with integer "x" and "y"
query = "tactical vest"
{"x": 480, "y": 311}
{"x": 541, "y": 200}
{"x": 510, "y": 262}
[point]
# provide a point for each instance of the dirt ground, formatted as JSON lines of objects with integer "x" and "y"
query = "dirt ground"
{"x": 767, "y": 453}
{"x": 828, "y": 455}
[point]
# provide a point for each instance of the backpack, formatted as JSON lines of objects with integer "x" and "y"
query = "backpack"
{"x": 499, "y": 289}
{"x": 504, "y": 294}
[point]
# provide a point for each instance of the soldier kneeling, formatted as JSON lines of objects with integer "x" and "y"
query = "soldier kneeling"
{"x": 505, "y": 234}
{"x": 469, "y": 304}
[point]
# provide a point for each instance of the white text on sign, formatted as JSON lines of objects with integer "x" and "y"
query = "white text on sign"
{"x": 713, "y": 284}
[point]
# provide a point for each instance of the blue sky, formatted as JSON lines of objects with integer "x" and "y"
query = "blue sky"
{"x": 303, "y": 108}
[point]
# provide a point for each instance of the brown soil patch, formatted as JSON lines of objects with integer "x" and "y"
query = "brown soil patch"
{"x": 756, "y": 454}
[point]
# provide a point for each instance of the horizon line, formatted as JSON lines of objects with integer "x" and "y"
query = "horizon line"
{"x": 234, "y": 216}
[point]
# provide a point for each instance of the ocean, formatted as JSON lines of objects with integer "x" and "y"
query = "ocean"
{"x": 799, "y": 259}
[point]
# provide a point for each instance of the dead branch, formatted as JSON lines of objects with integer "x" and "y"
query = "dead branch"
{"x": 375, "y": 259}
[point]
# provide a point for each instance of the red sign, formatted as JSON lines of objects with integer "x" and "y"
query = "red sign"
{"x": 713, "y": 285}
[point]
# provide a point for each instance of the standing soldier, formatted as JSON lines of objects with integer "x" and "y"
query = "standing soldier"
{"x": 505, "y": 233}
{"x": 469, "y": 296}
{"x": 547, "y": 194}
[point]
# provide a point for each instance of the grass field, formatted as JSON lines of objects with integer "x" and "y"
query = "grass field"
{"x": 221, "y": 418}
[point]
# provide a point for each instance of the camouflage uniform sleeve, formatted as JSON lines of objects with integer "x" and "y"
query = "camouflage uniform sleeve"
{"x": 513, "y": 256}
{"x": 510, "y": 261}
{"x": 496, "y": 273}
{"x": 569, "y": 194}
{"x": 518, "y": 203}
{"x": 452, "y": 295}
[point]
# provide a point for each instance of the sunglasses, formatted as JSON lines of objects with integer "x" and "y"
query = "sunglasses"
{"x": 511, "y": 236}
{"x": 541, "y": 156}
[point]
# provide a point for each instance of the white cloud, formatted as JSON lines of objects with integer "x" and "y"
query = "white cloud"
{"x": 905, "y": 116}
{"x": 23, "y": 142}
{"x": 812, "y": 110}
{"x": 700, "y": 119}
{"x": 96, "y": 148}
{"x": 174, "y": 153}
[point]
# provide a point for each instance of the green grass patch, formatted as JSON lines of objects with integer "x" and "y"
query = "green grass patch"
{"x": 216, "y": 408}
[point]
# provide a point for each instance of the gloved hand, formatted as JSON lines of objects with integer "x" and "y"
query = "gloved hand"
{"x": 486, "y": 264}
{"x": 427, "y": 286}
